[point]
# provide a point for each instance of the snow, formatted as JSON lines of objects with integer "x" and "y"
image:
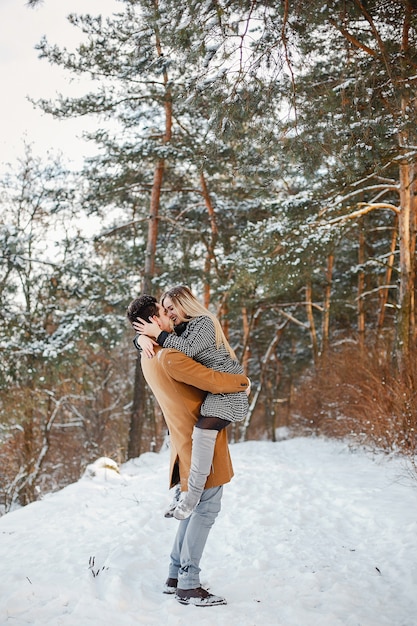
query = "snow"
{"x": 311, "y": 533}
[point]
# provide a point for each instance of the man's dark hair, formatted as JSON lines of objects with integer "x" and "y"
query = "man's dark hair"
{"x": 143, "y": 307}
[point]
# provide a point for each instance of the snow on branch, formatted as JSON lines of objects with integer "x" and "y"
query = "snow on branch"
{"x": 367, "y": 208}
{"x": 376, "y": 290}
{"x": 381, "y": 187}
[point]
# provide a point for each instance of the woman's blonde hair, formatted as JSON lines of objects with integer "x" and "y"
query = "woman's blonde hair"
{"x": 182, "y": 297}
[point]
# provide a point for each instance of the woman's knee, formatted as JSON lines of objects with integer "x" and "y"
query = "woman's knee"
{"x": 211, "y": 423}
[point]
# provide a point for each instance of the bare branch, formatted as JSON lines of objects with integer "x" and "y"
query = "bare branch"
{"x": 291, "y": 318}
{"x": 367, "y": 209}
{"x": 352, "y": 39}
{"x": 384, "y": 188}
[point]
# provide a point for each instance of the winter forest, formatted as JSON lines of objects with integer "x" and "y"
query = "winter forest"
{"x": 262, "y": 152}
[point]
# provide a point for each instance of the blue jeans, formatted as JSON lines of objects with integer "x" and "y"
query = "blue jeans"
{"x": 191, "y": 539}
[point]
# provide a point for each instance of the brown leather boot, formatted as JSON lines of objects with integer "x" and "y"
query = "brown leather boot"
{"x": 170, "y": 585}
{"x": 198, "y": 597}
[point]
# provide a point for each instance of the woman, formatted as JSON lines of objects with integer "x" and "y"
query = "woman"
{"x": 198, "y": 334}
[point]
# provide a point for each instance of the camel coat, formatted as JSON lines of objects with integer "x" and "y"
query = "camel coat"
{"x": 179, "y": 385}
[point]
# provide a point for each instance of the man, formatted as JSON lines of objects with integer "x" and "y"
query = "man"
{"x": 180, "y": 385}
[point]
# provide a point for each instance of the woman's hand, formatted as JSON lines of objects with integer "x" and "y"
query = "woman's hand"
{"x": 147, "y": 344}
{"x": 151, "y": 328}
{"x": 248, "y": 388}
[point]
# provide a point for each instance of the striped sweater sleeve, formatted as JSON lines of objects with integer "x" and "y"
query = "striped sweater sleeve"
{"x": 198, "y": 336}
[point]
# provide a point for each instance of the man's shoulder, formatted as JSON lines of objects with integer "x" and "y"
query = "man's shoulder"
{"x": 166, "y": 354}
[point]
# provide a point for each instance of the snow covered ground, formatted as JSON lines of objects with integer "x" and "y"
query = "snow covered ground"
{"x": 310, "y": 534}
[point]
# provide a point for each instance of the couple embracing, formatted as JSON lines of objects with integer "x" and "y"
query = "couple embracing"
{"x": 200, "y": 388}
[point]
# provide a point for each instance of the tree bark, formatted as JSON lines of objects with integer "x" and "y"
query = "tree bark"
{"x": 138, "y": 415}
{"x": 138, "y": 412}
{"x": 326, "y": 306}
{"x": 246, "y": 336}
{"x": 406, "y": 237}
{"x": 387, "y": 279}
{"x": 213, "y": 239}
{"x": 406, "y": 224}
{"x": 311, "y": 324}
{"x": 361, "y": 289}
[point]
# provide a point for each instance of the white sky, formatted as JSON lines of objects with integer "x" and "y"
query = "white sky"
{"x": 22, "y": 74}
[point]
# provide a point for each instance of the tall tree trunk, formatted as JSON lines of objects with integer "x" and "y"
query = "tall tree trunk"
{"x": 406, "y": 237}
{"x": 246, "y": 336}
{"x": 210, "y": 257}
{"x": 384, "y": 292}
{"x": 138, "y": 415}
{"x": 311, "y": 324}
{"x": 361, "y": 288}
{"x": 149, "y": 269}
{"x": 326, "y": 307}
{"x": 223, "y": 316}
{"x": 413, "y": 248}
{"x": 406, "y": 221}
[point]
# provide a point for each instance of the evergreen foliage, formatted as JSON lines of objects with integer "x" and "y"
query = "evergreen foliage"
{"x": 263, "y": 153}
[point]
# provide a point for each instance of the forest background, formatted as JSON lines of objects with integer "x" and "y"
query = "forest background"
{"x": 261, "y": 152}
